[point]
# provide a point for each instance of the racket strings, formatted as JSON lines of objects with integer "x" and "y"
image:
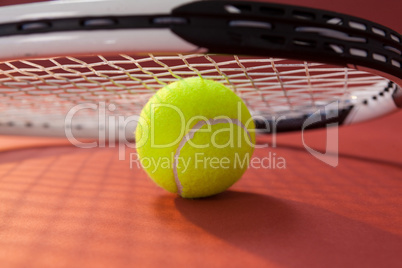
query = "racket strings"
{"x": 50, "y": 87}
{"x": 279, "y": 78}
{"x": 309, "y": 85}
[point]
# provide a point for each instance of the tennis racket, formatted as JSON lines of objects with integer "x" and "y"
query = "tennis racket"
{"x": 88, "y": 67}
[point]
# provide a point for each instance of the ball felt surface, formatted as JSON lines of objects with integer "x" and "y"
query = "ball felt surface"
{"x": 195, "y": 137}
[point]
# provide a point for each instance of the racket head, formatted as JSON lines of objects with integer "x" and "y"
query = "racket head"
{"x": 54, "y": 62}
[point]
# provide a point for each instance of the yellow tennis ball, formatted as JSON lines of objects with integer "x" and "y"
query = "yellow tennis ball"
{"x": 195, "y": 137}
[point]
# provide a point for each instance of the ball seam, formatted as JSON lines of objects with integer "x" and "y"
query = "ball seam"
{"x": 190, "y": 135}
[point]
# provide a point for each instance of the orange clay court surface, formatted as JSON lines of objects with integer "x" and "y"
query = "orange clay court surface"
{"x": 62, "y": 206}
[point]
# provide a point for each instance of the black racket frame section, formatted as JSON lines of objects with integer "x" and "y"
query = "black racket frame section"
{"x": 259, "y": 29}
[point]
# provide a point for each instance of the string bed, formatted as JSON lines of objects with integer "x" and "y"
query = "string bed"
{"x": 38, "y": 89}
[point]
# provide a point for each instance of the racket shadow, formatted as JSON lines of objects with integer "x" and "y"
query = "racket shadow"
{"x": 371, "y": 160}
{"x": 290, "y": 233}
{"x": 21, "y": 154}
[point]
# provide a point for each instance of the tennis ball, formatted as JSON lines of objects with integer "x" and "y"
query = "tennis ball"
{"x": 195, "y": 137}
